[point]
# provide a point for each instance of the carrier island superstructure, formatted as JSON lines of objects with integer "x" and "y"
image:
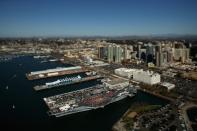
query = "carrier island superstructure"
{"x": 94, "y": 97}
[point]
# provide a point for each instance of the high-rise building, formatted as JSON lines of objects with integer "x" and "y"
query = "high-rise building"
{"x": 161, "y": 59}
{"x": 157, "y": 59}
{"x": 159, "y": 56}
{"x": 102, "y": 52}
{"x": 110, "y": 53}
{"x": 187, "y": 54}
{"x": 177, "y": 54}
{"x": 125, "y": 52}
{"x": 139, "y": 51}
{"x": 170, "y": 56}
{"x": 150, "y": 52}
{"x": 181, "y": 54}
{"x": 118, "y": 53}
{"x": 130, "y": 48}
{"x": 114, "y": 53}
{"x": 150, "y": 49}
{"x": 165, "y": 57}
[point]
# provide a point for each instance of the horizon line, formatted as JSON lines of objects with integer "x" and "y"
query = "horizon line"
{"x": 84, "y": 36}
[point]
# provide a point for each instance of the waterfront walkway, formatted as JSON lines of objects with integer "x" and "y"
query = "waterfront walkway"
{"x": 158, "y": 95}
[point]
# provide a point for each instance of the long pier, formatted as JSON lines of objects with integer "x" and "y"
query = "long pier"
{"x": 54, "y": 74}
{"x": 43, "y": 87}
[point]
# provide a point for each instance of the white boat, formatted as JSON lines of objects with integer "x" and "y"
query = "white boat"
{"x": 62, "y": 81}
{"x": 53, "y": 60}
{"x": 6, "y": 87}
{"x": 13, "y": 107}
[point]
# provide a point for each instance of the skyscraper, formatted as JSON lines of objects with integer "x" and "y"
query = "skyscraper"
{"x": 102, "y": 52}
{"x": 139, "y": 51}
{"x": 118, "y": 53}
{"x": 125, "y": 52}
{"x": 110, "y": 53}
{"x": 114, "y": 53}
{"x": 159, "y": 56}
{"x": 149, "y": 52}
{"x": 170, "y": 59}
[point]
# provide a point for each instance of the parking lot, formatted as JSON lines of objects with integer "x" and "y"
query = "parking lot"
{"x": 161, "y": 119}
{"x": 183, "y": 86}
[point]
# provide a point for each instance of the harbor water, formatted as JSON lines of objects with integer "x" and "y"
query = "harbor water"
{"x": 23, "y": 108}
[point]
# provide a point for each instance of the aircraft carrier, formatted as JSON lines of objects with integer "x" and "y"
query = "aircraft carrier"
{"x": 86, "y": 99}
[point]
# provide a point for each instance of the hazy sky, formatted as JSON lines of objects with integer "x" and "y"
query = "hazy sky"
{"x": 97, "y": 17}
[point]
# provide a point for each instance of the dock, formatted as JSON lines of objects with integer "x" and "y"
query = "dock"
{"x": 85, "y": 79}
{"x": 55, "y": 72}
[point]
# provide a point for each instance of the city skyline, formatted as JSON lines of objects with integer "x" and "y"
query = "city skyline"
{"x": 97, "y": 18}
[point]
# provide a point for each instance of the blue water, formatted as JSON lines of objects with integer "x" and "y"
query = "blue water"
{"x": 30, "y": 109}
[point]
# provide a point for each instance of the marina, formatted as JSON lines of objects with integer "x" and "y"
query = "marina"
{"x": 86, "y": 99}
{"x": 66, "y": 81}
{"x": 59, "y": 71}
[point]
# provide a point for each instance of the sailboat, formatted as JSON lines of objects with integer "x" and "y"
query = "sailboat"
{"x": 6, "y": 87}
{"x": 13, "y": 107}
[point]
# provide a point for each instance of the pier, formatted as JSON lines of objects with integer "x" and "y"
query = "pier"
{"x": 55, "y": 72}
{"x": 85, "y": 79}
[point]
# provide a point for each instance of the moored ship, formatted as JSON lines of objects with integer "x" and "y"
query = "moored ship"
{"x": 66, "y": 81}
{"x": 95, "y": 97}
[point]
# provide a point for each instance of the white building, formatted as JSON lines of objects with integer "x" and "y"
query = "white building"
{"x": 167, "y": 85}
{"x": 117, "y": 84}
{"x": 147, "y": 77}
{"x": 126, "y": 72}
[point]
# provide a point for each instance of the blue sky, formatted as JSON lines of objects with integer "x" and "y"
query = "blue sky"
{"x": 27, "y": 18}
